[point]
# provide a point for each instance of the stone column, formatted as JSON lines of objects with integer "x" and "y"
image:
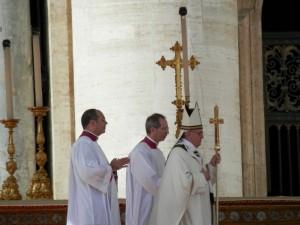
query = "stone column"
{"x": 61, "y": 92}
{"x": 252, "y": 99}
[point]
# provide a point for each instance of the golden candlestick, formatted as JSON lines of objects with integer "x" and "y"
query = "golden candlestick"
{"x": 177, "y": 64}
{"x": 40, "y": 187}
{"x": 10, "y": 188}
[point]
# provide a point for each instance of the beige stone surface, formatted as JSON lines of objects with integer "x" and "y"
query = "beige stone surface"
{"x": 61, "y": 91}
{"x": 252, "y": 101}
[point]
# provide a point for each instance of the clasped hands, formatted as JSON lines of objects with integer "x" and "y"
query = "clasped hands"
{"x": 117, "y": 164}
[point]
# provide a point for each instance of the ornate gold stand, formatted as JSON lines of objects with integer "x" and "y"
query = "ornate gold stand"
{"x": 40, "y": 187}
{"x": 10, "y": 188}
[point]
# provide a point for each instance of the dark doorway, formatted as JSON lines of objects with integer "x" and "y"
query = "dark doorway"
{"x": 281, "y": 55}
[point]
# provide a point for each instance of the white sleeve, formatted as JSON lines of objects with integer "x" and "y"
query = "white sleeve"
{"x": 212, "y": 173}
{"x": 90, "y": 169}
{"x": 143, "y": 172}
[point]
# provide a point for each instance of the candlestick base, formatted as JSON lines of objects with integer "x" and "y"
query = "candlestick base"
{"x": 10, "y": 188}
{"x": 40, "y": 187}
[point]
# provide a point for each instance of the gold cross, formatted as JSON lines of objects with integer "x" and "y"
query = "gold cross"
{"x": 177, "y": 64}
{"x": 216, "y": 121}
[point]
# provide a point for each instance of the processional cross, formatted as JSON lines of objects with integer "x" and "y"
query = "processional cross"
{"x": 216, "y": 121}
{"x": 177, "y": 63}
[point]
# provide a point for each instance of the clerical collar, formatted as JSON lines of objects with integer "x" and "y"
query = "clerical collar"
{"x": 151, "y": 143}
{"x": 89, "y": 134}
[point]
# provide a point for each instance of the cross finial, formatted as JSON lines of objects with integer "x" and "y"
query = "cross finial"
{"x": 216, "y": 121}
{"x": 177, "y": 64}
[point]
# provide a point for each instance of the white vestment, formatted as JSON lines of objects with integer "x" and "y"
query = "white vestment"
{"x": 92, "y": 190}
{"x": 142, "y": 180}
{"x": 183, "y": 196}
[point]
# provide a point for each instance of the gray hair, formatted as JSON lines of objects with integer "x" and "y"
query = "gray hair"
{"x": 153, "y": 121}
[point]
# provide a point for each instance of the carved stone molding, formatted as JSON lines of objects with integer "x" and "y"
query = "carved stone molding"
{"x": 245, "y": 6}
{"x": 251, "y": 98}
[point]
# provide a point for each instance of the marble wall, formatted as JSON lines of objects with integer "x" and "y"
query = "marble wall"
{"x": 115, "y": 47}
{"x": 19, "y": 33}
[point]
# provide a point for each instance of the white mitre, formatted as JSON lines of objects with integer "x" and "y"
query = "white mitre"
{"x": 191, "y": 119}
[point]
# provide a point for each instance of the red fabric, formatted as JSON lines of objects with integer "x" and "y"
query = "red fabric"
{"x": 89, "y": 135}
{"x": 150, "y": 143}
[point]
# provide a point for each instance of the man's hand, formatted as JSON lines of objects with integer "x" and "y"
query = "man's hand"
{"x": 117, "y": 164}
{"x": 215, "y": 160}
{"x": 205, "y": 173}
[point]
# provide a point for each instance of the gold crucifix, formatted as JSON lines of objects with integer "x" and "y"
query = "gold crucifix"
{"x": 216, "y": 121}
{"x": 177, "y": 64}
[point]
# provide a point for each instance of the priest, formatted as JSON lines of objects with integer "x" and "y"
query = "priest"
{"x": 92, "y": 188}
{"x": 184, "y": 194}
{"x": 144, "y": 171}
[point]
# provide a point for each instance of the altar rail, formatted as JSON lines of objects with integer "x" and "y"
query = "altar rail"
{"x": 233, "y": 211}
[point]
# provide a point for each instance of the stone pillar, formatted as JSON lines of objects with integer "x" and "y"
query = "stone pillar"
{"x": 252, "y": 99}
{"x": 61, "y": 92}
{"x": 18, "y": 31}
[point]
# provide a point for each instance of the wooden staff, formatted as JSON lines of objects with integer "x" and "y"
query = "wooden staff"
{"x": 216, "y": 121}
